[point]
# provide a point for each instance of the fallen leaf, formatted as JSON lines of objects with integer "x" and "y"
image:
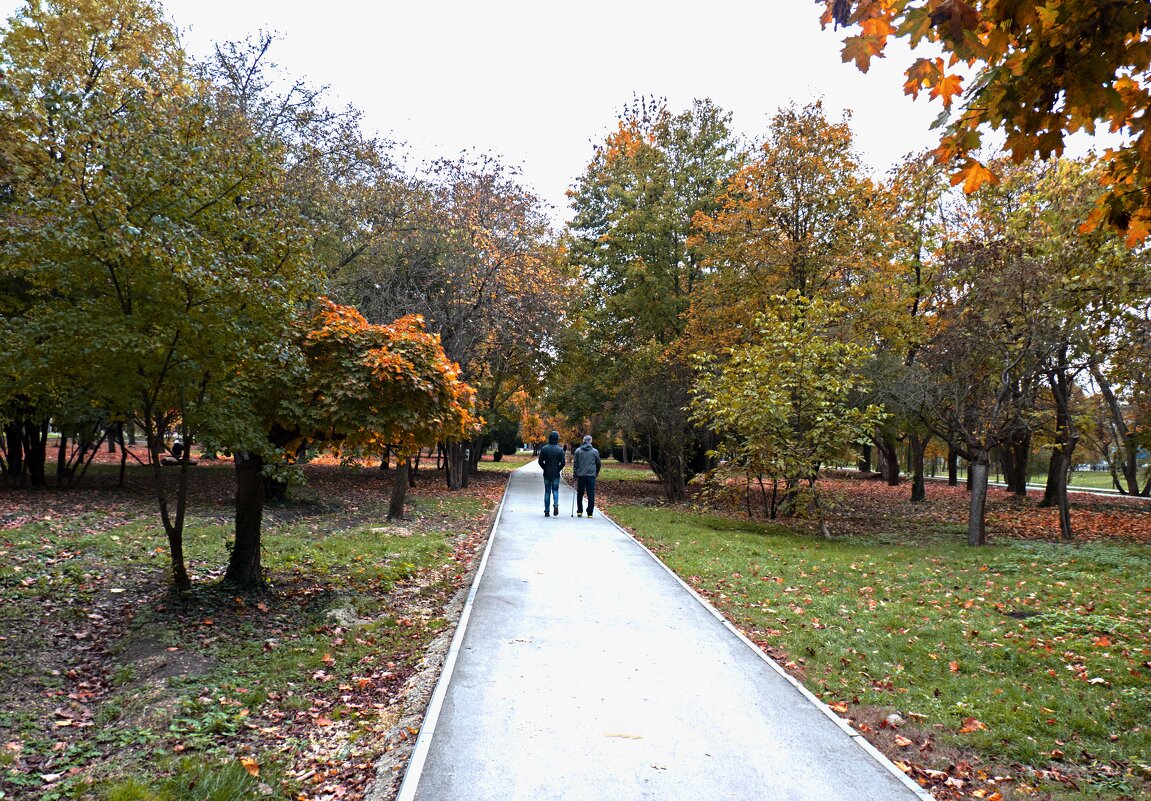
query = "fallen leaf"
{"x": 250, "y": 765}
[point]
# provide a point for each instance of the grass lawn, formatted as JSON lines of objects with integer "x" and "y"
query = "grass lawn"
{"x": 1028, "y": 660}
{"x": 115, "y": 689}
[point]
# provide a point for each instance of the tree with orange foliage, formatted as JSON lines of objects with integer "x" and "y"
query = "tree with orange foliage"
{"x": 357, "y": 386}
{"x": 1041, "y": 70}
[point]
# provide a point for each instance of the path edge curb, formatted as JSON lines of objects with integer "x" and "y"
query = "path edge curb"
{"x": 840, "y": 723}
{"x": 415, "y": 768}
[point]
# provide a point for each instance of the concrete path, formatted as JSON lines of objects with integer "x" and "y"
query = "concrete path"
{"x": 583, "y": 670}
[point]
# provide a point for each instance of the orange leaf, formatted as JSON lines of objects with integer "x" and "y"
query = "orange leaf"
{"x": 1103, "y": 641}
{"x": 946, "y": 88}
{"x": 839, "y": 708}
{"x": 954, "y": 666}
{"x": 971, "y": 724}
{"x": 250, "y": 765}
{"x": 973, "y": 175}
{"x": 902, "y": 741}
{"x": 861, "y": 49}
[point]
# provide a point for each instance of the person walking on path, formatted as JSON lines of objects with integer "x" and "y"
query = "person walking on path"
{"x": 552, "y": 460}
{"x": 586, "y": 465}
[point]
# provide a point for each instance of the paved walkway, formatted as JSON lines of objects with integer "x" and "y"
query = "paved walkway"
{"x": 583, "y": 670}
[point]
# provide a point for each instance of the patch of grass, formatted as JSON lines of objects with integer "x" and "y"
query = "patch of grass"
{"x": 614, "y": 471}
{"x": 505, "y": 464}
{"x": 1031, "y": 653}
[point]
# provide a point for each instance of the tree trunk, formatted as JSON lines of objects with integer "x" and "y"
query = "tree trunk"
{"x": 952, "y": 466}
{"x": 918, "y": 480}
{"x": 977, "y": 470}
{"x": 1016, "y": 454}
{"x": 889, "y": 460}
{"x": 35, "y": 443}
{"x": 119, "y": 433}
{"x": 399, "y": 489}
{"x": 173, "y": 526}
{"x": 14, "y": 445}
{"x": 1062, "y": 384}
{"x": 1125, "y": 438}
{"x": 864, "y": 463}
{"x": 456, "y": 460}
{"x": 62, "y": 459}
{"x": 244, "y": 569}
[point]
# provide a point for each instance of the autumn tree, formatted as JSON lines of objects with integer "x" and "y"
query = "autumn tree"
{"x": 355, "y": 386}
{"x": 1034, "y": 70}
{"x": 160, "y": 253}
{"x": 629, "y": 241}
{"x": 781, "y": 402}
{"x": 799, "y": 216}
{"x": 980, "y": 373}
{"x": 471, "y": 251}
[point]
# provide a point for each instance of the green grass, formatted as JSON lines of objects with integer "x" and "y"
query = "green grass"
{"x": 505, "y": 464}
{"x": 1047, "y": 646}
{"x": 614, "y": 471}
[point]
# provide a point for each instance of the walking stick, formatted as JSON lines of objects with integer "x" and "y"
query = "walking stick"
{"x": 573, "y": 496}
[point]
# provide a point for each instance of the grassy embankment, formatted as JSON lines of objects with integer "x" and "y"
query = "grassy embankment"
{"x": 1029, "y": 660}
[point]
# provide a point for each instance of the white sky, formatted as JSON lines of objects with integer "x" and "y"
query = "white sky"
{"x": 537, "y": 83}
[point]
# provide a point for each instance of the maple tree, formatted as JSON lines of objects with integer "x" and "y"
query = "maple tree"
{"x": 1033, "y": 69}
{"x": 359, "y": 387}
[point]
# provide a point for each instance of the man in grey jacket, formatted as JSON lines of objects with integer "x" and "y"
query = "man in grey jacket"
{"x": 586, "y": 466}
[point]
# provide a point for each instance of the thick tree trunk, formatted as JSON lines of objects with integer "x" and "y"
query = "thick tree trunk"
{"x": 674, "y": 486}
{"x": 952, "y": 466}
{"x": 399, "y": 489}
{"x": 244, "y": 569}
{"x": 918, "y": 479}
{"x": 977, "y": 471}
{"x": 35, "y": 443}
{"x": 456, "y": 459}
{"x": 1051, "y": 488}
{"x": 1016, "y": 454}
{"x": 864, "y": 463}
{"x": 14, "y": 445}
{"x": 889, "y": 460}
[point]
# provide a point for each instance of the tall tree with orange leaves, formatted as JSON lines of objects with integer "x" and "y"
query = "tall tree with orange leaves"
{"x": 629, "y": 241}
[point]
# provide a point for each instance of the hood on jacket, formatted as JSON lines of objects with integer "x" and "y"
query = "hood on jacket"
{"x": 554, "y": 438}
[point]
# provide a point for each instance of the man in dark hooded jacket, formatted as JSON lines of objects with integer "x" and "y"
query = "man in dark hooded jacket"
{"x": 552, "y": 460}
{"x": 586, "y": 465}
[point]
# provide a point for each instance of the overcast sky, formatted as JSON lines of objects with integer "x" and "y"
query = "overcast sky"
{"x": 537, "y": 83}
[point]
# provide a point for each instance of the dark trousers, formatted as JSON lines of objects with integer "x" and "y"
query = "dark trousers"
{"x": 585, "y": 484}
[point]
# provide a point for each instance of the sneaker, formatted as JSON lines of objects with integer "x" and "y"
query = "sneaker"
{"x": 589, "y": 513}
{"x": 579, "y": 514}
{"x": 546, "y": 513}
{"x": 556, "y": 511}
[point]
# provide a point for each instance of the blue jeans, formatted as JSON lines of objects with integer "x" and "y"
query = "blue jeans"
{"x": 551, "y": 488}
{"x": 585, "y": 484}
